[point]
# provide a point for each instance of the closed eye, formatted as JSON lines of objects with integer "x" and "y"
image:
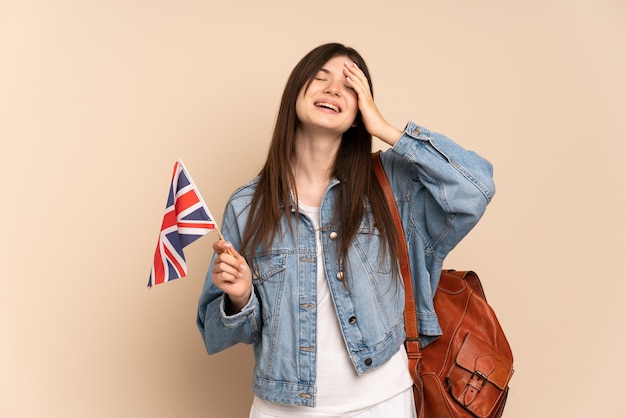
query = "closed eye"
{"x": 322, "y": 74}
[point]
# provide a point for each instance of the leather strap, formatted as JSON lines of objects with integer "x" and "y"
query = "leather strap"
{"x": 410, "y": 313}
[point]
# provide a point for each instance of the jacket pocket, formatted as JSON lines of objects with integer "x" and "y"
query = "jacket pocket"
{"x": 270, "y": 266}
{"x": 268, "y": 278}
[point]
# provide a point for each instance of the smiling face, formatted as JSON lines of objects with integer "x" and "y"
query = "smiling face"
{"x": 327, "y": 103}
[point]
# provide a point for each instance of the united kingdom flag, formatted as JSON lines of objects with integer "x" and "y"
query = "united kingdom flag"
{"x": 186, "y": 219}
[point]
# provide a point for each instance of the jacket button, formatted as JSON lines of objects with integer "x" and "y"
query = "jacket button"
{"x": 368, "y": 362}
{"x": 340, "y": 275}
{"x": 416, "y": 131}
{"x": 333, "y": 235}
{"x": 352, "y": 320}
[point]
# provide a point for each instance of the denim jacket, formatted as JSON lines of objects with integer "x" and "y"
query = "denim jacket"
{"x": 441, "y": 191}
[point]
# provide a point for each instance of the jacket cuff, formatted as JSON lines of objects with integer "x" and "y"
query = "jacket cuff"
{"x": 241, "y": 316}
{"x": 412, "y": 139}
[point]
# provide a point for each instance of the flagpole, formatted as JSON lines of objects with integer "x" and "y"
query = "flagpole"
{"x": 222, "y": 238}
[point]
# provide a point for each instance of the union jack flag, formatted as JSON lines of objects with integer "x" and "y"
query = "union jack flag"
{"x": 186, "y": 219}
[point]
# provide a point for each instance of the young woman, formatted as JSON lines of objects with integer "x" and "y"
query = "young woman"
{"x": 308, "y": 272}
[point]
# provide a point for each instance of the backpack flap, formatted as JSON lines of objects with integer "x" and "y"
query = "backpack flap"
{"x": 479, "y": 377}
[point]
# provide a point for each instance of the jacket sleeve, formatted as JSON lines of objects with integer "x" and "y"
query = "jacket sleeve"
{"x": 441, "y": 190}
{"x": 220, "y": 331}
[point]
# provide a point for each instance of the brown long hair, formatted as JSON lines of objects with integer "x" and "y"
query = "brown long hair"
{"x": 274, "y": 191}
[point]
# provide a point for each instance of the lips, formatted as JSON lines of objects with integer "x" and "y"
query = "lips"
{"x": 328, "y": 105}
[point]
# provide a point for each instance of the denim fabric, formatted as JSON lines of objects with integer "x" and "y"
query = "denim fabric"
{"x": 441, "y": 190}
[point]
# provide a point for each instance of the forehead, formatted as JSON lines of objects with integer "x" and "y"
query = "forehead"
{"x": 335, "y": 63}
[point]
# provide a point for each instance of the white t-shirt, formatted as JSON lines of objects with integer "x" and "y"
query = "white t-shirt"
{"x": 340, "y": 390}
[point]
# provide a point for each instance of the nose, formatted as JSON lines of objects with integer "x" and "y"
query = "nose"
{"x": 332, "y": 88}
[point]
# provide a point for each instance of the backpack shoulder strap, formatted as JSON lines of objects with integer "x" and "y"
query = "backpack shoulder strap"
{"x": 410, "y": 313}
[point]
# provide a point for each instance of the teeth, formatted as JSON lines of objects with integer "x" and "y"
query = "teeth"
{"x": 327, "y": 105}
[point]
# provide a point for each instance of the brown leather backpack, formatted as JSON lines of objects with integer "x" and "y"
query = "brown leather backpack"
{"x": 466, "y": 371}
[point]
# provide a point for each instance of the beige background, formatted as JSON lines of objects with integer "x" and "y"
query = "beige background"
{"x": 99, "y": 98}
